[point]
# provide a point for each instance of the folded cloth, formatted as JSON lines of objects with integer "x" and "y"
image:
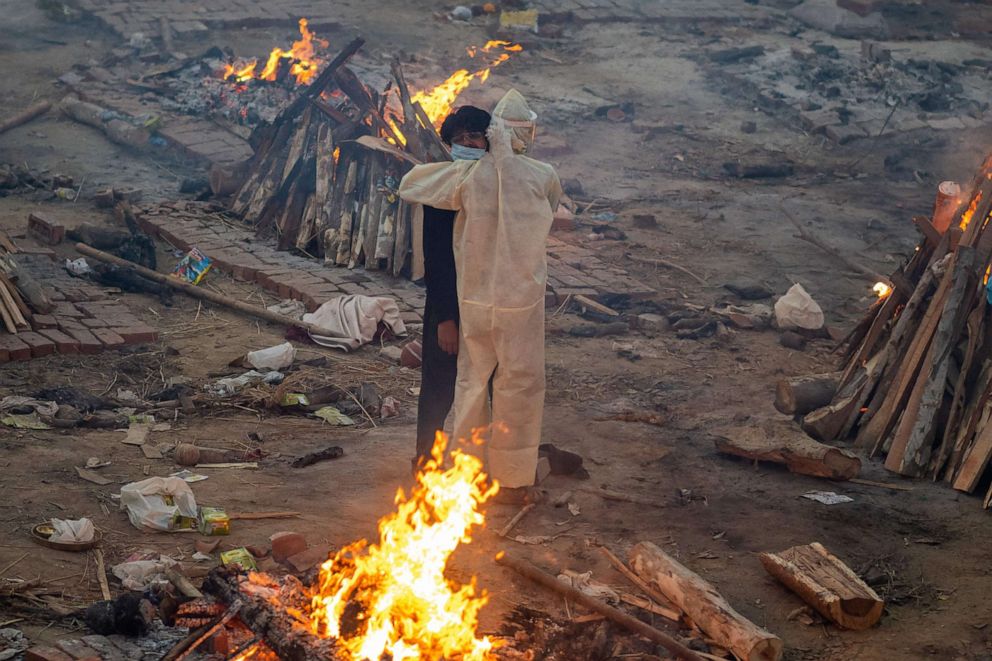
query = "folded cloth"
{"x": 352, "y": 320}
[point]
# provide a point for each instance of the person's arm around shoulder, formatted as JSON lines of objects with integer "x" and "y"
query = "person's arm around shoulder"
{"x": 434, "y": 184}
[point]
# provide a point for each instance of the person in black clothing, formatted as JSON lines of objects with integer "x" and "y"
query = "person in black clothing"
{"x": 465, "y": 131}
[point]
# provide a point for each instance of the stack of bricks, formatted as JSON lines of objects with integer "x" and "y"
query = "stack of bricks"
{"x": 571, "y": 269}
{"x": 85, "y": 320}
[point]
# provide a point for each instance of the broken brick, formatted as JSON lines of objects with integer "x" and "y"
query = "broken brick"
{"x": 40, "y": 345}
{"x": 78, "y": 650}
{"x": 109, "y": 338}
{"x": 43, "y": 321}
{"x": 45, "y": 229}
{"x": 63, "y": 343}
{"x": 87, "y": 341}
{"x": 286, "y": 544}
{"x": 137, "y": 334}
{"x": 309, "y": 558}
{"x": 45, "y": 653}
{"x": 16, "y": 350}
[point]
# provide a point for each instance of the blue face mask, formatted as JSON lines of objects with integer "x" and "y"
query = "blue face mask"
{"x": 463, "y": 153}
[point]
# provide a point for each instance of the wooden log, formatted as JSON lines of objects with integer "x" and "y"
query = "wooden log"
{"x": 117, "y": 130}
{"x": 929, "y": 232}
{"x": 273, "y": 624}
{"x": 798, "y": 395}
{"x": 7, "y": 319}
{"x": 27, "y": 286}
{"x": 878, "y": 428}
{"x": 324, "y": 183}
{"x": 707, "y": 609}
{"x": 975, "y": 460}
{"x": 347, "y": 213}
{"x": 827, "y": 584}
{"x": 15, "y": 295}
{"x": 910, "y": 449}
{"x": 202, "y": 294}
{"x": 183, "y": 584}
{"x": 404, "y": 230}
{"x": 531, "y": 572}
{"x": 826, "y": 424}
{"x": 25, "y": 116}
{"x": 783, "y": 443}
{"x": 376, "y": 204}
{"x": 974, "y": 416}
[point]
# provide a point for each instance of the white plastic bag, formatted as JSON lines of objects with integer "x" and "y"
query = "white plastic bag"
{"x": 278, "y": 357}
{"x": 797, "y": 309}
{"x": 146, "y": 505}
{"x": 78, "y": 530}
{"x": 139, "y": 575}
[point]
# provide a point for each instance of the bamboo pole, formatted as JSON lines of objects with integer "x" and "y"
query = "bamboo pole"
{"x": 202, "y": 294}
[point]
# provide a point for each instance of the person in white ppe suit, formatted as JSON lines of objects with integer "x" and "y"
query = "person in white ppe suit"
{"x": 505, "y": 203}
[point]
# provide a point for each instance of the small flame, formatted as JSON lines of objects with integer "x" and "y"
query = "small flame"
{"x": 407, "y": 609}
{"x": 302, "y": 55}
{"x": 881, "y": 289}
{"x": 437, "y": 102}
{"x": 966, "y": 216}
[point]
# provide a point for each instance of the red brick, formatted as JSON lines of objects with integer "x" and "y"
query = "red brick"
{"x": 859, "y": 7}
{"x": 43, "y": 653}
{"x": 87, "y": 341}
{"x": 78, "y": 650}
{"x": 16, "y": 350}
{"x": 286, "y": 544}
{"x": 76, "y": 295}
{"x": 67, "y": 310}
{"x": 109, "y": 338}
{"x": 137, "y": 334}
{"x": 94, "y": 323}
{"x": 40, "y": 345}
{"x": 43, "y": 321}
{"x": 64, "y": 343}
{"x": 68, "y": 323}
{"x": 45, "y": 229}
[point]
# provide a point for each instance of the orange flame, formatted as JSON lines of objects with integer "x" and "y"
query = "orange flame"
{"x": 408, "y": 609}
{"x": 437, "y": 102}
{"x": 881, "y": 289}
{"x": 966, "y": 216}
{"x": 302, "y": 55}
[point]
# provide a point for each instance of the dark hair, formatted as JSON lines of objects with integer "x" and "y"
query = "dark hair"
{"x": 466, "y": 118}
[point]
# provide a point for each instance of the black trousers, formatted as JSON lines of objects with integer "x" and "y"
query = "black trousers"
{"x": 437, "y": 385}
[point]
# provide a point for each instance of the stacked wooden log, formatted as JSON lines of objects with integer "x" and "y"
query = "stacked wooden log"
{"x": 20, "y": 294}
{"x": 324, "y": 176}
{"x": 916, "y": 378}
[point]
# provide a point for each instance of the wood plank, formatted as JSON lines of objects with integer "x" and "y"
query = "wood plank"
{"x": 975, "y": 461}
{"x": 911, "y": 445}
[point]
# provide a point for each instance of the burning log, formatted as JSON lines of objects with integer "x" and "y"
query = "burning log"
{"x": 266, "y": 609}
{"x": 704, "y": 605}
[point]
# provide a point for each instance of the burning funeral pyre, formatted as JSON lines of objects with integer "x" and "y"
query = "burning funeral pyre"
{"x": 917, "y": 376}
{"x": 389, "y": 599}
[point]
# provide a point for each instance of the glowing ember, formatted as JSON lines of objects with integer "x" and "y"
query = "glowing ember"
{"x": 881, "y": 289}
{"x": 437, "y": 102}
{"x": 303, "y": 67}
{"x": 399, "y": 603}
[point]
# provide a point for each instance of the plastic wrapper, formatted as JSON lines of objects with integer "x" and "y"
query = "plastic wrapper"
{"x": 160, "y": 503}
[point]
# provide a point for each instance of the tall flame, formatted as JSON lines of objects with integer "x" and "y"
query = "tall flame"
{"x": 437, "y": 102}
{"x": 302, "y": 55}
{"x": 407, "y": 609}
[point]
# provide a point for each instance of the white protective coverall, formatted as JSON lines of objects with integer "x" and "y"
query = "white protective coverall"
{"x": 505, "y": 203}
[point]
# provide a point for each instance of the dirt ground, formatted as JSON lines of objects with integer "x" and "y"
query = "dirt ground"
{"x": 713, "y": 513}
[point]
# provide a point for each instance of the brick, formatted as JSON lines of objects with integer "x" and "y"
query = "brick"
{"x": 16, "y": 350}
{"x": 45, "y": 230}
{"x": 63, "y": 343}
{"x": 45, "y": 653}
{"x": 94, "y": 323}
{"x": 109, "y": 338}
{"x": 68, "y": 323}
{"x": 65, "y": 309}
{"x": 43, "y": 321}
{"x": 78, "y": 650}
{"x": 286, "y": 544}
{"x": 40, "y": 345}
{"x": 843, "y": 134}
{"x": 107, "y": 650}
{"x": 87, "y": 341}
{"x": 309, "y": 558}
{"x": 859, "y": 7}
{"x": 137, "y": 334}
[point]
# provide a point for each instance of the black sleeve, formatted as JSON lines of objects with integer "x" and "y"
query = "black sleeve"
{"x": 439, "y": 262}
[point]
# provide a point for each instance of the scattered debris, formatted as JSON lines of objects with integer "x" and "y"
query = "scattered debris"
{"x": 828, "y": 497}
{"x": 332, "y": 452}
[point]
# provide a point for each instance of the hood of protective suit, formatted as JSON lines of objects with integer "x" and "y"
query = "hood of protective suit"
{"x": 515, "y": 115}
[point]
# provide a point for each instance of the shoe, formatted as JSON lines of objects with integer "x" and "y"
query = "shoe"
{"x": 518, "y": 496}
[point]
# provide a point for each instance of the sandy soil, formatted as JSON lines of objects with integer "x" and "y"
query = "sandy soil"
{"x": 926, "y": 542}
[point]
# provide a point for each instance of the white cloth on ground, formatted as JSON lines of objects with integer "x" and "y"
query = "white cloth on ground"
{"x": 354, "y": 319}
